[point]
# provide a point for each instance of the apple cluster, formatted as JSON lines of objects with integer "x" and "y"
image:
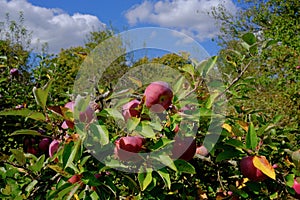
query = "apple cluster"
{"x": 44, "y": 145}
{"x": 157, "y": 98}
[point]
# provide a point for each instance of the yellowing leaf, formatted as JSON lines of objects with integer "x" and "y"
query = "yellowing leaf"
{"x": 244, "y": 125}
{"x": 261, "y": 163}
{"x": 136, "y": 81}
{"x": 227, "y": 127}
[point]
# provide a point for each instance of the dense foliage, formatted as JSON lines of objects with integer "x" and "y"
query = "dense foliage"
{"x": 257, "y": 152}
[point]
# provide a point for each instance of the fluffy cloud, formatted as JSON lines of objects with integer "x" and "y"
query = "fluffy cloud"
{"x": 189, "y": 16}
{"x": 54, "y": 26}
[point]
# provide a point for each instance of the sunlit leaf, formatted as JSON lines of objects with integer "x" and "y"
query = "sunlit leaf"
{"x": 261, "y": 163}
{"x": 26, "y": 132}
{"x": 19, "y": 155}
{"x": 136, "y": 81}
{"x": 164, "y": 174}
{"x": 251, "y": 138}
{"x": 249, "y": 38}
{"x": 25, "y": 113}
{"x": 145, "y": 179}
{"x": 41, "y": 94}
{"x": 184, "y": 166}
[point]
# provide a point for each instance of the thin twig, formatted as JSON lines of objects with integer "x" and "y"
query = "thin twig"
{"x": 235, "y": 80}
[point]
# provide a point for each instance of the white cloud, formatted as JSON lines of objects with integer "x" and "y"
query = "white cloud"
{"x": 51, "y": 25}
{"x": 188, "y": 16}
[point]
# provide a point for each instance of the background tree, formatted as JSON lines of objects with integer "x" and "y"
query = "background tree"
{"x": 274, "y": 54}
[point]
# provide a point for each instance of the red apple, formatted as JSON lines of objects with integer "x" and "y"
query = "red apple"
{"x": 32, "y": 150}
{"x": 74, "y": 179}
{"x": 158, "y": 96}
{"x": 130, "y": 109}
{"x": 296, "y": 187}
{"x": 127, "y": 147}
{"x": 53, "y": 147}
{"x": 14, "y": 72}
{"x": 202, "y": 151}
{"x": 44, "y": 144}
{"x": 67, "y": 123}
{"x": 250, "y": 171}
{"x": 184, "y": 148}
{"x": 176, "y": 129}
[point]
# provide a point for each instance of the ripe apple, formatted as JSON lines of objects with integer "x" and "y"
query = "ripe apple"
{"x": 32, "y": 150}
{"x": 29, "y": 144}
{"x": 126, "y": 148}
{"x": 44, "y": 144}
{"x": 67, "y": 123}
{"x": 296, "y": 187}
{"x": 201, "y": 150}
{"x": 53, "y": 147}
{"x": 14, "y": 72}
{"x": 184, "y": 148}
{"x": 130, "y": 109}
{"x": 158, "y": 96}
{"x": 250, "y": 171}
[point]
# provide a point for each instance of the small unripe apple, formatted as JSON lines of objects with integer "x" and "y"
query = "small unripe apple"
{"x": 44, "y": 144}
{"x": 127, "y": 147}
{"x": 53, "y": 147}
{"x": 130, "y": 109}
{"x": 74, "y": 179}
{"x": 184, "y": 148}
{"x": 296, "y": 187}
{"x": 250, "y": 171}
{"x": 158, "y": 96}
{"x": 202, "y": 150}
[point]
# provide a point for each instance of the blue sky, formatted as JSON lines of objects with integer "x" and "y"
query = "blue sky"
{"x": 65, "y": 23}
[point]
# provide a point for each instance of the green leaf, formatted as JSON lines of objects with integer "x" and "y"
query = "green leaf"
{"x": 251, "y": 138}
{"x": 36, "y": 167}
{"x": 210, "y": 101}
{"x": 101, "y": 133}
{"x": 228, "y": 153}
{"x": 161, "y": 143}
{"x": 249, "y": 38}
{"x": 41, "y": 94}
{"x": 239, "y": 192}
{"x": 70, "y": 152}
{"x": 178, "y": 85}
{"x": 146, "y": 130}
{"x": 189, "y": 69}
{"x": 145, "y": 179}
{"x": 26, "y": 132}
{"x": 290, "y": 180}
{"x": 30, "y": 186}
{"x": 114, "y": 113}
{"x": 19, "y": 155}
{"x": 132, "y": 123}
{"x": 164, "y": 159}
{"x": 59, "y": 170}
{"x": 184, "y": 166}
{"x": 164, "y": 174}
{"x": 235, "y": 143}
{"x": 208, "y": 65}
{"x": 25, "y": 113}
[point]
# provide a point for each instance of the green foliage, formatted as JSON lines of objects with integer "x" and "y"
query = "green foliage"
{"x": 264, "y": 36}
{"x": 262, "y": 120}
